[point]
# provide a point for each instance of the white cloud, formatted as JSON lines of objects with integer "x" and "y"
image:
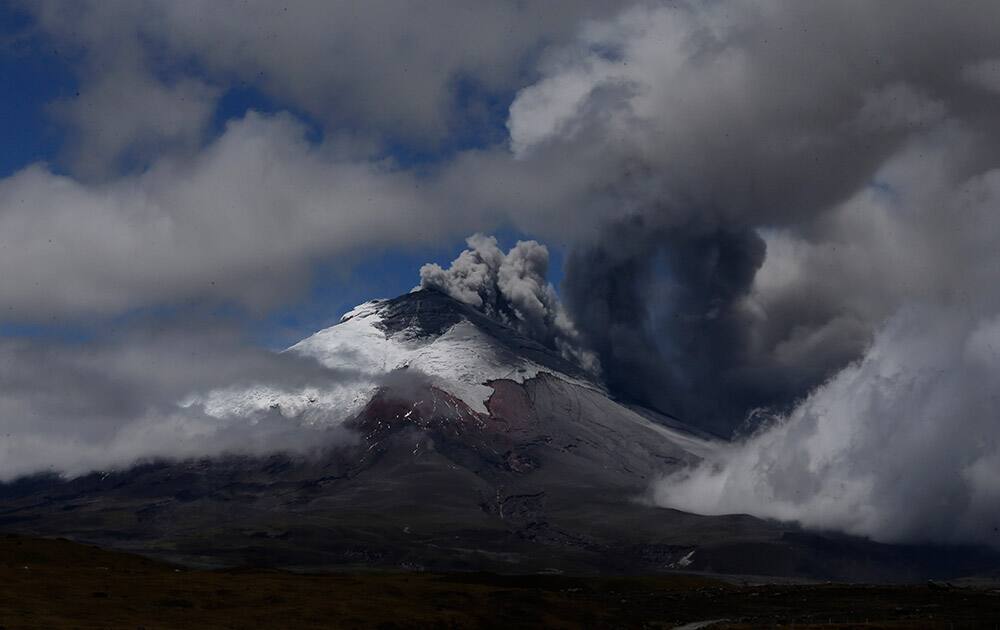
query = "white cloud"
{"x": 241, "y": 221}
{"x": 127, "y": 116}
{"x": 380, "y": 66}
{"x": 142, "y": 394}
{"x": 900, "y": 444}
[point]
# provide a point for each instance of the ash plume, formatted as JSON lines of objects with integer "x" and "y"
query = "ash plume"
{"x": 788, "y": 212}
{"x": 694, "y": 146}
{"x": 664, "y": 313}
{"x": 511, "y": 288}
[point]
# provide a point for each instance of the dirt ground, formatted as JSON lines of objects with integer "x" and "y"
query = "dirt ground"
{"x": 60, "y": 584}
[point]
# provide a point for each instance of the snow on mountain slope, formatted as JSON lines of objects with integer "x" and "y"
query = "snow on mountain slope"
{"x": 458, "y": 349}
{"x": 482, "y": 383}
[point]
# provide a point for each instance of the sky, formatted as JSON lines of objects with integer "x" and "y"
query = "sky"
{"x": 36, "y": 72}
{"x": 775, "y": 220}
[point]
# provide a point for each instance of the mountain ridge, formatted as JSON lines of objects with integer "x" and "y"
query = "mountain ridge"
{"x": 471, "y": 450}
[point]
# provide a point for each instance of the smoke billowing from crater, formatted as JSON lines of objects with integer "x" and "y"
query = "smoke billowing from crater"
{"x": 707, "y": 143}
{"x": 512, "y": 288}
{"x": 792, "y": 213}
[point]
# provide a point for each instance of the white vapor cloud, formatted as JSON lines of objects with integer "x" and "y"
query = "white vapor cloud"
{"x": 901, "y": 444}
{"x": 384, "y": 66}
{"x": 126, "y": 115}
{"x": 74, "y": 407}
{"x": 240, "y": 221}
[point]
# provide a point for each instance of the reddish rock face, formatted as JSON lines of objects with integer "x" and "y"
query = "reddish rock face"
{"x": 511, "y": 412}
{"x": 427, "y": 408}
{"x": 451, "y": 425}
{"x": 511, "y": 407}
{"x": 540, "y": 426}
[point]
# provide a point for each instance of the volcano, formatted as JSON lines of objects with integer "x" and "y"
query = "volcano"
{"x": 472, "y": 447}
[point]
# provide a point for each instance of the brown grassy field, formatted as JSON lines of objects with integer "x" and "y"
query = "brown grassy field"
{"x": 61, "y": 584}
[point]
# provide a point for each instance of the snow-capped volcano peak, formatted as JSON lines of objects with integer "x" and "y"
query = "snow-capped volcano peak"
{"x": 362, "y": 310}
{"x": 457, "y": 348}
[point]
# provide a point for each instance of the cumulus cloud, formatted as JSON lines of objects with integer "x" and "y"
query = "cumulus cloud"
{"x": 243, "y": 217}
{"x": 125, "y": 116}
{"x": 383, "y": 67}
{"x": 511, "y": 288}
{"x": 240, "y": 221}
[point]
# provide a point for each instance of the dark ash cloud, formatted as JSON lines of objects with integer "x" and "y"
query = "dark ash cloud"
{"x": 787, "y": 211}
{"x": 899, "y": 445}
{"x": 681, "y": 142}
{"x": 665, "y": 315}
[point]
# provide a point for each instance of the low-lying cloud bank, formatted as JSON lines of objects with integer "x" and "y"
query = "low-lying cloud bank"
{"x": 71, "y": 408}
{"x": 901, "y": 446}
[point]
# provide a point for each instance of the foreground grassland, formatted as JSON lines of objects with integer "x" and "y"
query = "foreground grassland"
{"x": 60, "y": 584}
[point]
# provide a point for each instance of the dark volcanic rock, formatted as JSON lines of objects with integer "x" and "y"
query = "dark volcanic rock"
{"x": 429, "y": 313}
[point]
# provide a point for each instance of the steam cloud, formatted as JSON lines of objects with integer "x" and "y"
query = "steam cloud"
{"x": 901, "y": 445}
{"x": 511, "y": 288}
